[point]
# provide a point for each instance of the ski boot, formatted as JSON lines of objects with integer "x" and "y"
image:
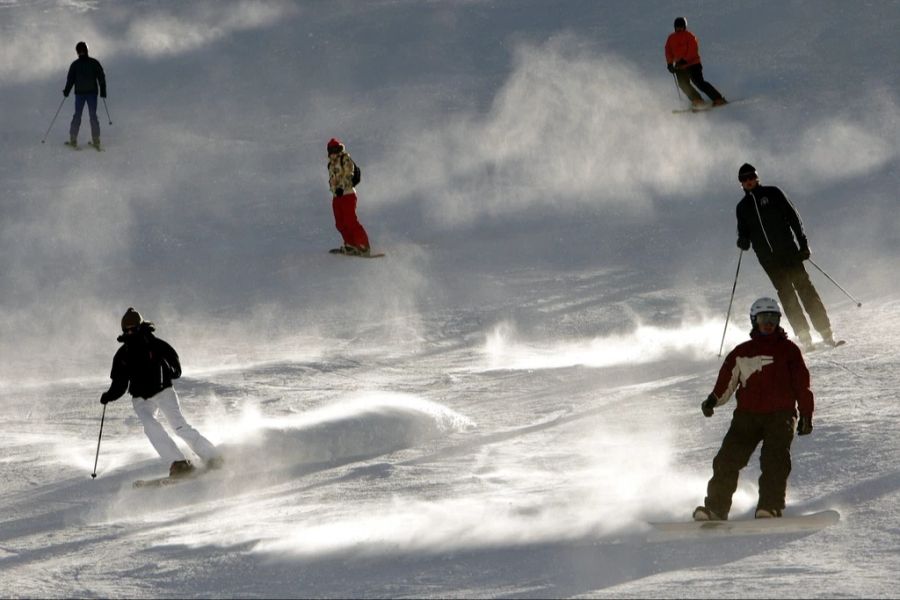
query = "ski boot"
{"x": 96, "y": 144}
{"x": 720, "y": 101}
{"x": 73, "y": 142}
{"x": 701, "y": 513}
{"x": 181, "y": 468}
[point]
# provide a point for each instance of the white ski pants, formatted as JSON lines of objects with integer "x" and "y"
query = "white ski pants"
{"x": 166, "y": 402}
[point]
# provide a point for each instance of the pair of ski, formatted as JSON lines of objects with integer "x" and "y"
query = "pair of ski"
{"x": 96, "y": 147}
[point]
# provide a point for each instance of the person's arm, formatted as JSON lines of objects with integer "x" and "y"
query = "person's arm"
{"x": 170, "y": 359}
{"x": 793, "y": 219}
{"x": 101, "y": 78}
{"x": 70, "y": 80}
{"x": 119, "y": 376}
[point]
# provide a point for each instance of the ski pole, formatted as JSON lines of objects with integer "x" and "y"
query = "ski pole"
{"x": 677, "y": 91}
{"x": 53, "y": 121}
{"x": 858, "y": 303}
{"x": 730, "y": 302}
{"x": 107, "y": 111}
{"x": 97, "y": 457}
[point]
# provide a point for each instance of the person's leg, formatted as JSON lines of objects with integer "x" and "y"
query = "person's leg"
{"x": 358, "y": 235}
{"x": 696, "y": 72}
{"x": 775, "y": 459}
{"x": 737, "y": 447}
{"x": 811, "y": 302}
{"x": 338, "y": 206}
{"x": 684, "y": 82}
{"x": 92, "y": 113}
{"x": 146, "y": 411}
{"x": 170, "y": 407}
{"x": 76, "y": 118}
{"x": 790, "y": 304}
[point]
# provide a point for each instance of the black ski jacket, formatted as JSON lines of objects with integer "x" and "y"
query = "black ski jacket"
{"x": 767, "y": 220}
{"x": 84, "y": 73}
{"x": 144, "y": 365}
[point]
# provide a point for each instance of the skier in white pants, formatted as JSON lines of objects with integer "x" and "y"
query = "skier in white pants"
{"x": 145, "y": 366}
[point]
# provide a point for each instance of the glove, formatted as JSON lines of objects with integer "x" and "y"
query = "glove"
{"x": 338, "y": 191}
{"x": 670, "y": 67}
{"x": 65, "y": 93}
{"x": 105, "y": 398}
{"x": 743, "y": 243}
{"x": 708, "y": 406}
{"x": 804, "y": 253}
{"x": 103, "y": 95}
{"x": 804, "y": 425}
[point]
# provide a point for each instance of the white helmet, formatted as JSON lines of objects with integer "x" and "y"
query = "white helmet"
{"x": 764, "y": 305}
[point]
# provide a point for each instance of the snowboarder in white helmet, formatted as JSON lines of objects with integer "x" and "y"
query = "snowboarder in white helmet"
{"x": 771, "y": 383}
{"x": 145, "y": 366}
{"x": 767, "y": 221}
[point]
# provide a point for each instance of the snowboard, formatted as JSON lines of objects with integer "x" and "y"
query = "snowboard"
{"x": 742, "y": 527}
{"x": 371, "y": 254}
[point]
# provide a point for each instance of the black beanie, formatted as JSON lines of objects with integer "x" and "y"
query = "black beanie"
{"x": 81, "y": 48}
{"x": 131, "y": 318}
{"x": 745, "y": 169}
{"x": 680, "y": 22}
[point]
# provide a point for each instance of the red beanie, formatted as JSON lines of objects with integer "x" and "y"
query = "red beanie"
{"x": 335, "y": 143}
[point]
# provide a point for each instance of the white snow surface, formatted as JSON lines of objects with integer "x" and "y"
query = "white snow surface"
{"x": 501, "y": 405}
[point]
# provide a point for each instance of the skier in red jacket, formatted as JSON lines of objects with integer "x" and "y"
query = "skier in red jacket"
{"x": 772, "y": 382}
{"x": 683, "y": 60}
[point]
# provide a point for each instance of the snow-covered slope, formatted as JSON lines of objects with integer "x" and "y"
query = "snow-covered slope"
{"x": 502, "y": 404}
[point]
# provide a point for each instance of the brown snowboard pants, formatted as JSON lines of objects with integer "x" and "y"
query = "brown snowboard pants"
{"x": 776, "y": 432}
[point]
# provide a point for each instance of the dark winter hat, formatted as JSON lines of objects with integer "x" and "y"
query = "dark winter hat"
{"x": 335, "y": 145}
{"x": 81, "y": 48}
{"x": 131, "y": 318}
{"x": 746, "y": 169}
{"x": 680, "y": 23}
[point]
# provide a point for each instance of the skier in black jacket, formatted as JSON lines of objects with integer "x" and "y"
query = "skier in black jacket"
{"x": 87, "y": 77}
{"x": 145, "y": 366}
{"x": 768, "y": 221}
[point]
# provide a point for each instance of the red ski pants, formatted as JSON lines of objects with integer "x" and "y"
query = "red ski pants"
{"x": 346, "y": 222}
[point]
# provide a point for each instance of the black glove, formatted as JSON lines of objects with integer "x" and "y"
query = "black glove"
{"x": 65, "y": 93}
{"x": 804, "y": 425}
{"x": 670, "y": 67}
{"x": 804, "y": 253}
{"x": 338, "y": 191}
{"x": 708, "y": 406}
{"x": 743, "y": 243}
{"x": 103, "y": 95}
{"x": 105, "y": 398}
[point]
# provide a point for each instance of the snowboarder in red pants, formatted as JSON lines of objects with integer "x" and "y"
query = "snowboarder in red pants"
{"x": 343, "y": 174}
{"x": 772, "y": 382}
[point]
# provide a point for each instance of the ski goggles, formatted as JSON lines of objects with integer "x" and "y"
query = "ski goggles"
{"x": 747, "y": 177}
{"x": 768, "y": 318}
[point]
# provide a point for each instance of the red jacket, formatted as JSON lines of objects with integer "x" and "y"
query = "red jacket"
{"x": 769, "y": 375}
{"x": 682, "y": 45}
